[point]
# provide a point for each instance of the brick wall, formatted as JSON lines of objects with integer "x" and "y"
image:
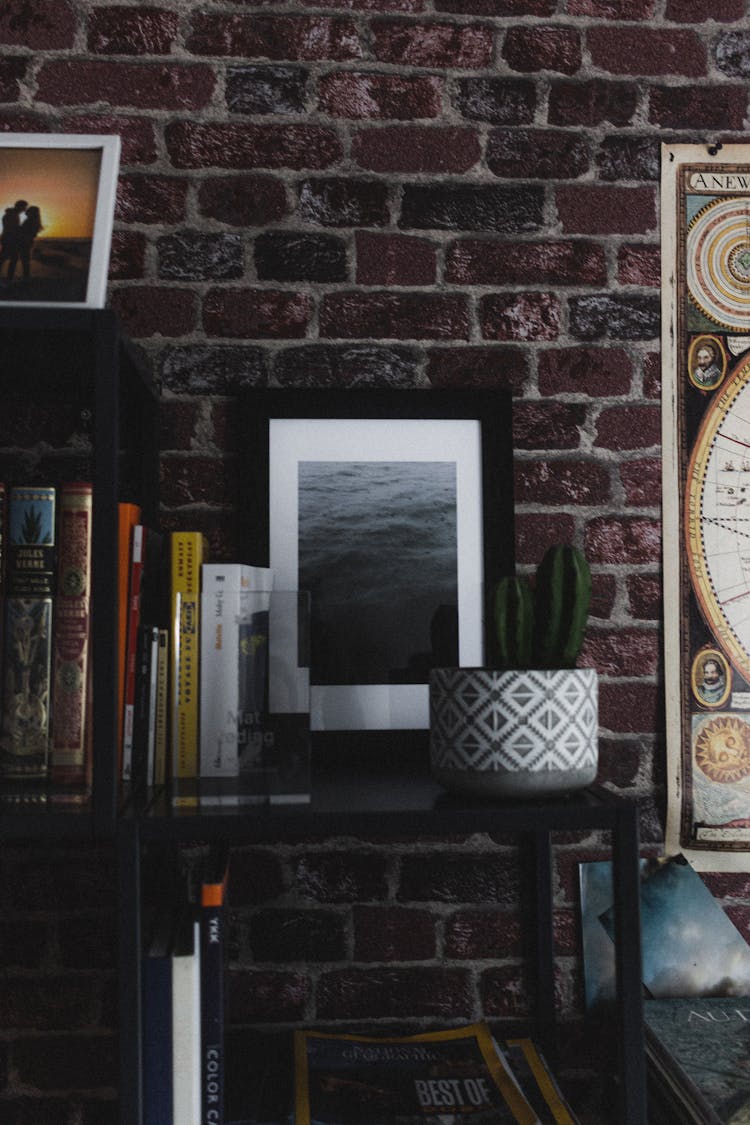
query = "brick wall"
{"x": 397, "y": 193}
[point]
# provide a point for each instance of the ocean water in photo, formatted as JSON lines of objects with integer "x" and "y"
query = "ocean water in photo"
{"x": 378, "y": 553}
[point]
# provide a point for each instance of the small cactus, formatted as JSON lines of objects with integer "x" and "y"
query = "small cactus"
{"x": 544, "y": 629}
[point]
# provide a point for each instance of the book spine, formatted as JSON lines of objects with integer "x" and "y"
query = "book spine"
{"x": 187, "y": 556}
{"x": 161, "y": 736}
{"x": 131, "y": 647}
{"x": 212, "y": 937}
{"x": 128, "y": 516}
{"x": 70, "y": 752}
{"x": 27, "y": 650}
{"x": 186, "y": 1027}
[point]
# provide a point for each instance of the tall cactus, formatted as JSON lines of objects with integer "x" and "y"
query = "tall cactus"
{"x": 544, "y": 628}
{"x": 514, "y": 622}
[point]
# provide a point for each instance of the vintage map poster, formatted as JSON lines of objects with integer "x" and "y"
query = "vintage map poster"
{"x": 705, "y": 212}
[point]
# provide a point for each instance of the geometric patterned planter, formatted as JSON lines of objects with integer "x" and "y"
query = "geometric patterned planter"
{"x": 514, "y": 733}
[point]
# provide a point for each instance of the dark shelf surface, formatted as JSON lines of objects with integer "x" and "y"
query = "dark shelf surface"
{"x": 372, "y": 802}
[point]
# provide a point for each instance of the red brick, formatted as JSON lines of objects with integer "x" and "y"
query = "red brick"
{"x": 258, "y": 874}
{"x": 66, "y": 1062}
{"x": 566, "y": 483}
{"x": 628, "y": 427}
{"x": 520, "y": 316}
{"x": 196, "y": 480}
{"x": 548, "y": 425}
{"x": 371, "y": 993}
{"x": 199, "y": 145}
{"x": 622, "y": 765}
{"x": 622, "y": 652}
{"x": 639, "y": 265}
{"x": 394, "y": 259}
{"x": 697, "y": 11}
{"x": 340, "y": 876}
{"x": 132, "y": 31}
{"x": 631, "y": 541}
{"x": 443, "y": 45}
{"x": 603, "y": 593}
{"x": 726, "y": 884}
{"x": 403, "y": 316}
{"x": 37, "y": 24}
{"x": 592, "y": 102}
{"x": 704, "y": 107}
{"x": 535, "y": 531}
{"x": 505, "y": 994}
{"x": 12, "y": 74}
{"x": 256, "y": 313}
{"x": 641, "y": 481}
{"x": 22, "y": 121}
{"x": 243, "y": 201}
{"x": 127, "y": 257}
{"x": 405, "y": 6}
{"x": 532, "y": 49}
{"x": 646, "y": 50}
{"x": 143, "y": 85}
{"x": 473, "y": 261}
{"x": 613, "y": 9}
{"x": 45, "y": 1002}
{"x": 151, "y": 199}
{"x": 359, "y": 95}
{"x": 652, "y": 375}
{"x": 138, "y": 143}
{"x": 156, "y": 310}
{"x": 264, "y": 996}
{"x": 478, "y": 367}
{"x": 497, "y": 8}
{"x": 598, "y": 209}
{"x": 393, "y": 933}
{"x": 630, "y": 708}
{"x": 274, "y": 37}
{"x": 644, "y": 596}
{"x": 416, "y": 149}
{"x": 597, "y": 372}
{"x": 483, "y": 935}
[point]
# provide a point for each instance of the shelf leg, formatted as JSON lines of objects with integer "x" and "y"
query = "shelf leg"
{"x": 129, "y": 966}
{"x": 544, "y": 951}
{"x": 628, "y": 961}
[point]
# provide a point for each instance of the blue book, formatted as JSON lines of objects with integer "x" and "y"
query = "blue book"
{"x": 156, "y": 983}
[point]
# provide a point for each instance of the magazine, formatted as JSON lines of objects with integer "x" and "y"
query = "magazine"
{"x": 454, "y": 1077}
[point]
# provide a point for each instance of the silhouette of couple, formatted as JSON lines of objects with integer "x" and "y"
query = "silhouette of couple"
{"x": 20, "y": 225}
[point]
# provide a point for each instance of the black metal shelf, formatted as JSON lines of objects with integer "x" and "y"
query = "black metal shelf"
{"x": 363, "y": 801}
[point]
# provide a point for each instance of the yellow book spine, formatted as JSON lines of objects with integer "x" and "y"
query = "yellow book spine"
{"x": 189, "y": 550}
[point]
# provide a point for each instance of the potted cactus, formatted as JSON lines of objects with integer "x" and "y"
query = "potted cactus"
{"x": 527, "y": 726}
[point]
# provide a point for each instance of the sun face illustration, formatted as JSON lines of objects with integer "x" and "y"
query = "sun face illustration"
{"x": 722, "y": 749}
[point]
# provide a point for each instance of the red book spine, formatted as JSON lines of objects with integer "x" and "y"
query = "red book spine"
{"x": 70, "y": 756}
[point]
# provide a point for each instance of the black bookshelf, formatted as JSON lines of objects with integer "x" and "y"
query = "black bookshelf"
{"x": 75, "y": 368}
{"x": 367, "y": 801}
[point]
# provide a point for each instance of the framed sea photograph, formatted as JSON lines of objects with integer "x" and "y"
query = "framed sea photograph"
{"x": 394, "y": 509}
{"x": 57, "y": 201}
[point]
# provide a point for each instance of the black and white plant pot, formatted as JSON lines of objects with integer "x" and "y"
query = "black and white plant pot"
{"x": 519, "y": 733}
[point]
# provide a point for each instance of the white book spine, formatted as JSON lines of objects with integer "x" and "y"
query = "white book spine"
{"x": 225, "y": 587}
{"x": 186, "y": 1034}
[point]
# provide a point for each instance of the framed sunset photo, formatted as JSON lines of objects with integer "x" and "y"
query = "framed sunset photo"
{"x": 57, "y": 201}
{"x": 394, "y": 510}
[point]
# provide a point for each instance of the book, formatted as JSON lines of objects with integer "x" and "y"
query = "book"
{"x": 451, "y": 1076}
{"x": 146, "y": 580}
{"x": 189, "y": 550}
{"x": 161, "y": 731}
{"x": 128, "y": 515}
{"x": 70, "y": 754}
{"x": 186, "y": 1021}
{"x": 27, "y": 648}
{"x": 698, "y": 1056}
{"x": 156, "y": 1015}
{"x": 213, "y": 896}
{"x": 144, "y": 712}
{"x": 538, "y": 1082}
{"x": 224, "y": 601}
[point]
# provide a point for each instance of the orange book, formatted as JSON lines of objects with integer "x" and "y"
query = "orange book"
{"x": 129, "y": 516}
{"x": 71, "y": 654}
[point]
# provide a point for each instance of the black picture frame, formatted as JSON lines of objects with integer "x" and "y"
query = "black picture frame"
{"x": 471, "y": 430}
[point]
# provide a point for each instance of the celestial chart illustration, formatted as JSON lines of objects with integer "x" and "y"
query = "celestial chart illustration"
{"x": 706, "y": 226}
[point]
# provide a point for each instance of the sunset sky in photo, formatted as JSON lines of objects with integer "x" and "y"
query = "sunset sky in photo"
{"x": 61, "y": 182}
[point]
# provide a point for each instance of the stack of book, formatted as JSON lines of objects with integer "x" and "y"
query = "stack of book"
{"x": 45, "y": 580}
{"x": 198, "y": 667}
{"x": 182, "y": 979}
